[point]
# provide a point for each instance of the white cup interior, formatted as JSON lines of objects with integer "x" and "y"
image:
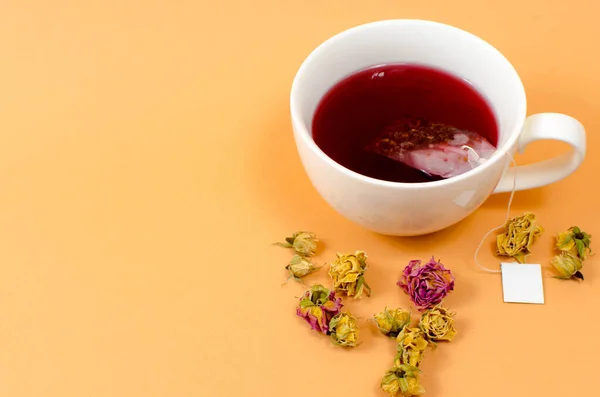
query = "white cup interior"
{"x": 419, "y": 42}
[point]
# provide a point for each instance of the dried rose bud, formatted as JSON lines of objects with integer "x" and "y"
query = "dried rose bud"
{"x": 347, "y": 272}
{"x": 404, "y": 379}
{"x": 519, "y": 235}
{"x": 576, "y": 242}
{"x": 391, "y": 322}
{"x": 344, "y": 330}
{"x": 303, "y": 243}
{"x": 411, "y": 346}
{"x": 318, "y": 306}
{"x": 568, "y": 266}
{"x": 426, "y": 285}
{"x": 300, "y": 266}
{"x": 438, "y": 324}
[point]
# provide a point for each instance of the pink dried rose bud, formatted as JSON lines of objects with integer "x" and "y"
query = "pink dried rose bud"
{"x": 426, "y": 285}
{"x": 318, "y": 306}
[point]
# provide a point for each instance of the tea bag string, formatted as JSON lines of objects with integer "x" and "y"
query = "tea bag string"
{"x": 510, "y": 200}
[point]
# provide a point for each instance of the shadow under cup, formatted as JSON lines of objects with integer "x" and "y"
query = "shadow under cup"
{"x": 404, "y": 208}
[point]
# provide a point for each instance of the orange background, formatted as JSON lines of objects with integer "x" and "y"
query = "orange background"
{"x": 147, "y": 163}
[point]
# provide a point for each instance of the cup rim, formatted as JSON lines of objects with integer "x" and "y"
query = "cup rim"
{"x": 303, "y": 133}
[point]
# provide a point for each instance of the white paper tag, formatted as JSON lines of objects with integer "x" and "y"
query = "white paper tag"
{"x": 522, "y": 283}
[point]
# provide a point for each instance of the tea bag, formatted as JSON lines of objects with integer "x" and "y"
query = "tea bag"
{"x": 433, "y": 148}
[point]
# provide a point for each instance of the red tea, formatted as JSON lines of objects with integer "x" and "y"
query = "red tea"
{"x": 388, "y": 102}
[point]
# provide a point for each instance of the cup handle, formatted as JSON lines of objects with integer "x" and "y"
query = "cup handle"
{"x": 554, "y": 126}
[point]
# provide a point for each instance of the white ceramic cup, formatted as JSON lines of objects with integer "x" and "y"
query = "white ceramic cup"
{"x": 408, "y": 209}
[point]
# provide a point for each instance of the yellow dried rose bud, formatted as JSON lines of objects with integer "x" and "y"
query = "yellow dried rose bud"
{"x": 347, "y": 273}
{"x": 344, "y": 330}
{"x": 404, "y": 379}
{"x": 568, "y": 266}
{"x": 438, "y": 324}
{"x": 519, "y": 235}
{"x": 391, "y": 322}
{"x": 411, "y": 346}
{"x": 303, "y": 243}
{"x": 575, "y": 241}
{"x": 300, "y": 267}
